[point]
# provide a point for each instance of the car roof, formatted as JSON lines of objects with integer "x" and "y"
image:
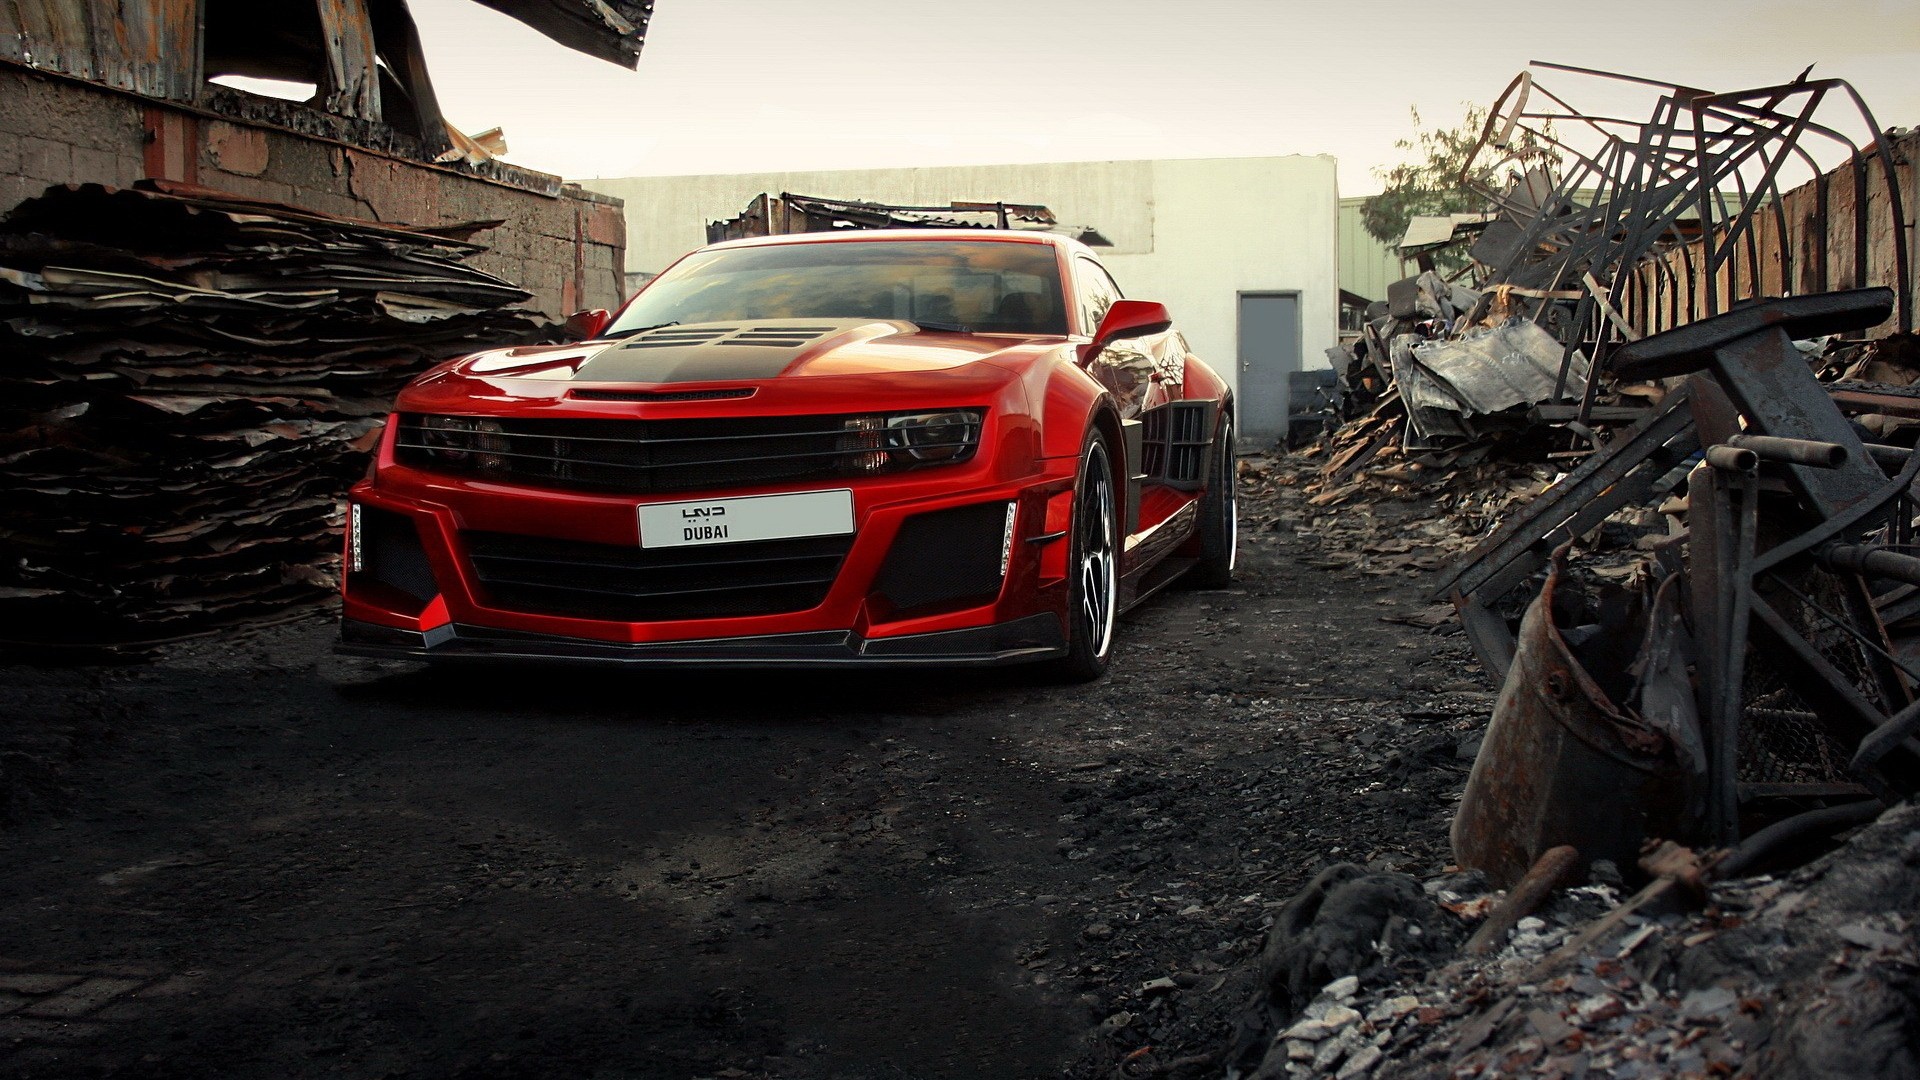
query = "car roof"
{"x": 1027, "y": 236}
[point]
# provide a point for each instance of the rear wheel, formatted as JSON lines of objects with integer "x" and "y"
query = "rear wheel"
{"x": 1094, "y": 566}
{"x": 1219, "y": 514}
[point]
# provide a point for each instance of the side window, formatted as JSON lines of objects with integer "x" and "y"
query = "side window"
{"x": 1097, "y": 293}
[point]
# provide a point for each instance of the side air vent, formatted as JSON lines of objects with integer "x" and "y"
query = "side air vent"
{"x": 393, "y": 553}
{"x": 1175, "y": 441}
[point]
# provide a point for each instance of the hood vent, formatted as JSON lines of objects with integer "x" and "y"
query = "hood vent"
{"x": 661, "y": 395}
{"x": 709, "y": 352}
{"x": 779, "y": 337}
{"x": 783, "y": 337}
{"x": 673, "y": 336}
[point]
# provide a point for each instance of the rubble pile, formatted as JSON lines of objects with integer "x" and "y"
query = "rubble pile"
{"x": 188, "y": 382}
{"x": 1807, "y": 972}
{"x": 1384, "y": 524}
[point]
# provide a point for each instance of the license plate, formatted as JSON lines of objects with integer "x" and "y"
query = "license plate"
{"x": 753, "y": 517}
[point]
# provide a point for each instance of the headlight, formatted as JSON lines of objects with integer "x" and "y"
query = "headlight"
{"x": 466, "y": 441}
{"x": 880, "y": 443}
{"x": 941, "y": 436}
{"x": 866, "y": 436}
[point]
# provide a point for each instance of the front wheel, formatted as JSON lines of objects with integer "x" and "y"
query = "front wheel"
{"x": 1219, "y": 514}
{"x": 1094, "y": 567}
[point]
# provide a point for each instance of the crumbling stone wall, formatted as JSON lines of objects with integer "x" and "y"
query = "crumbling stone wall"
{"x": 566, "y": 247}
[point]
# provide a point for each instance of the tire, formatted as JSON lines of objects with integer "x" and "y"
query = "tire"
{"x": 1219, "y": 515}
{"x": 1093, "y": 567}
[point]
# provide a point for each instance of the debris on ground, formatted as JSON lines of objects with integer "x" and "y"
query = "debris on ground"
{"x": 1801, "y": 973}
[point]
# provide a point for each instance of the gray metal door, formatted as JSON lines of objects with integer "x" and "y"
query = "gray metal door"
{"x": 1269, "y": 353}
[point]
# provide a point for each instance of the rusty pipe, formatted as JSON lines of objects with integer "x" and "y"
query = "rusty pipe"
{"x": 1819, "y": 455}
{"x": 1870, "y": 561}
{"x": 1823, "y": 822}
{"x": 1554, "y": 866}
{"x": 1732, "y": 459}
{"x": 1888, "y": 456}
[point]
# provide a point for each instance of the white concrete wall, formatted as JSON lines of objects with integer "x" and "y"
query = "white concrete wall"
{"x": 1192, "y": 234}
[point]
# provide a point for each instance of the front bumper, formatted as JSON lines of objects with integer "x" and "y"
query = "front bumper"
{"x": 1036, "y": 637}
{"x": 933, "y": 574}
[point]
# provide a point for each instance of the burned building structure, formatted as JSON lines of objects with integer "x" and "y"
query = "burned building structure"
{"x": 114, "y": 93}
{"x": 209, "y": 297}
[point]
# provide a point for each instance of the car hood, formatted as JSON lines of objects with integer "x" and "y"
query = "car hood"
{"x": 746, "y": 351}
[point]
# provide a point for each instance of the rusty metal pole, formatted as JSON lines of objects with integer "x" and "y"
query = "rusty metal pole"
{"x": 1554, "y": 866}
{"x": 1721, "y": 522}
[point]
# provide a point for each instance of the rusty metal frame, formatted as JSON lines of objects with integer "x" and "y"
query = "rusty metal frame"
{"x": 1692, "y": 155}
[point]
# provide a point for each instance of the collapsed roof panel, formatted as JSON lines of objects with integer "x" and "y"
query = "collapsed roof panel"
{"x": 610, "y": 30}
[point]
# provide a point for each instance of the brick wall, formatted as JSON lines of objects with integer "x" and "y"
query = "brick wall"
{"x": 567, "y": 249}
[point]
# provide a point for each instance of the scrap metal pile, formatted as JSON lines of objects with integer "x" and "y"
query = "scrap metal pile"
{"x": 1606, "y": 230}
{"x": 188, "y": 382}
{"x": 1658, "y": 317}
{"x": 778, "y": 215}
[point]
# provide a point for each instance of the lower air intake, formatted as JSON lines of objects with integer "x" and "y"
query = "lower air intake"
{"x": 390, "y": 546}
{"x": 944, "y": 556}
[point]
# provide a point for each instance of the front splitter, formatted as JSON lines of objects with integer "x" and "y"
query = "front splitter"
{"x": 1022, "y": 641}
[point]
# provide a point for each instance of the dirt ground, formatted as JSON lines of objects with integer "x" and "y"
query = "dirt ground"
{"x": 253, "y": 858}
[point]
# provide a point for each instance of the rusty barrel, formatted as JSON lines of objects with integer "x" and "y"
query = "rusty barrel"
{"x": 1560, "y": 764}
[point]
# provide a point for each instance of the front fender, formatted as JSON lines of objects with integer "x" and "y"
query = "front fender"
{"x": 1070, "y": 402}
{"x": 1204, "y": 382}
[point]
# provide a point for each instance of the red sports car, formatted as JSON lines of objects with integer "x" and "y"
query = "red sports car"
{"x": 939, "y": 447}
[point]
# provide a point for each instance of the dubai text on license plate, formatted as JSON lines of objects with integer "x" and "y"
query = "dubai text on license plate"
{"x": 753, "y": 517}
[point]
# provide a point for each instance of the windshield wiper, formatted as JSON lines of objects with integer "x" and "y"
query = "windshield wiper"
{"x": 951, "y": 328}
{"x": 640, "y": 329}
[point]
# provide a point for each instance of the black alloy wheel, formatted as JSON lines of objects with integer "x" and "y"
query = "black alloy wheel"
{"x": 1093, "y": 567}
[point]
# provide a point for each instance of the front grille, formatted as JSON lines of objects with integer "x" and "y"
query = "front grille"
{"x": 633, "y": 584}
{"x": 645, "y": 456}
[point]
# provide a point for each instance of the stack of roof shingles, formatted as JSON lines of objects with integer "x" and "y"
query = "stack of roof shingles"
{"x": 188, "y": 382}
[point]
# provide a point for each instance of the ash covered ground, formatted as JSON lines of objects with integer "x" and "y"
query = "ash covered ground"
{"x": 252, "y": 858}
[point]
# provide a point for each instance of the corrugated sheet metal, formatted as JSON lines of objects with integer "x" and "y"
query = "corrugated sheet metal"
{"x": 152, "y": 47}
{"x": 1367, "y": 266}
{"x": 352, "y": 88}
{"x": 149, "y": 47}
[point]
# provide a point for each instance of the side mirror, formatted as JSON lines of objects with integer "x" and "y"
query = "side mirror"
{"x": 586, "y": 325}
{"x": 1131, "y": 319}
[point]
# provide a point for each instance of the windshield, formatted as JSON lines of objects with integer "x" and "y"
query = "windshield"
{"x": 984, "y": 286}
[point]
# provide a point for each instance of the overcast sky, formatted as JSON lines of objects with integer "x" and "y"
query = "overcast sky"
{"x": 764, "y": 85}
